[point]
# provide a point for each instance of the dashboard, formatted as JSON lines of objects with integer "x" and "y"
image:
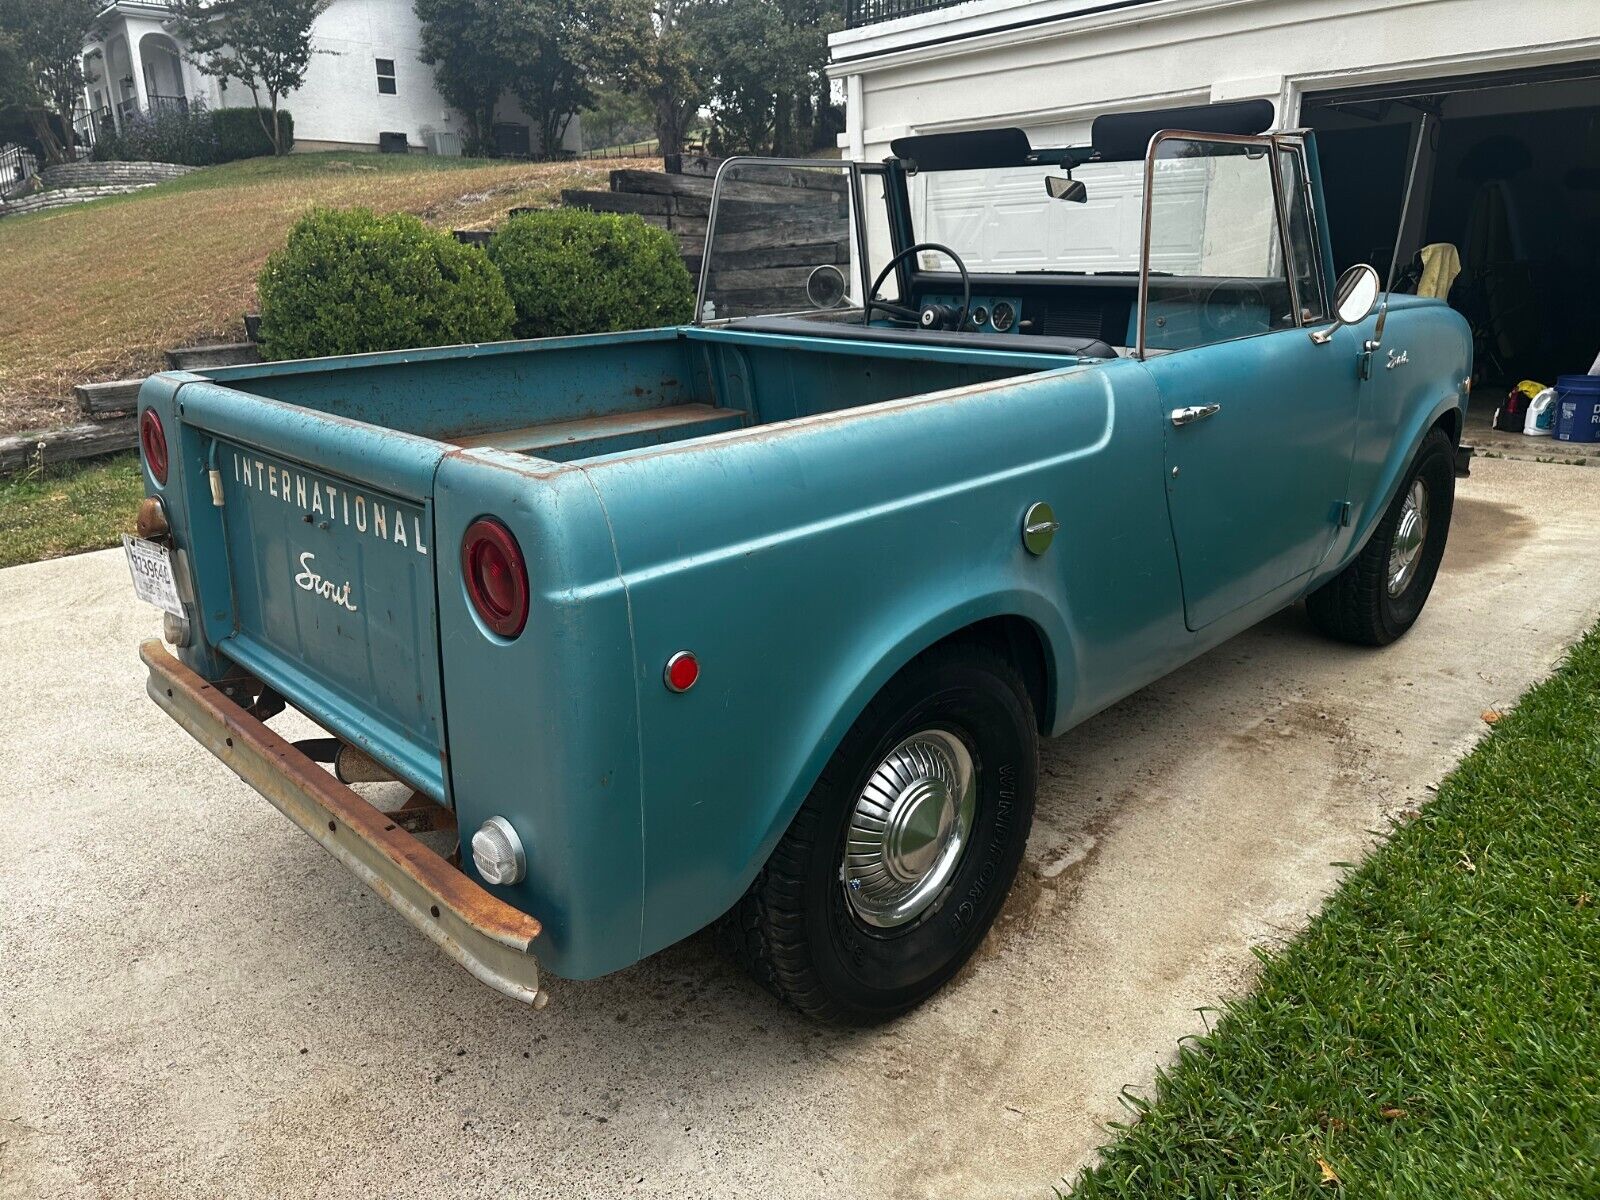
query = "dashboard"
{"x": 1184, "y": 311}
{"x": 986, "y": 313}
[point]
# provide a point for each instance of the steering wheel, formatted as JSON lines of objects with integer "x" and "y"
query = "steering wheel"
{"x": 910, "y": 314}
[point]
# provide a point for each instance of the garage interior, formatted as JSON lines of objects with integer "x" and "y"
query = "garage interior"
{"x": 1509, "y": 177}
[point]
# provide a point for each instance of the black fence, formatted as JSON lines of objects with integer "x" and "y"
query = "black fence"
{"x": 646, "y": 149}
{"x": 17, "y": 166}
{"x": 870, "y": 12}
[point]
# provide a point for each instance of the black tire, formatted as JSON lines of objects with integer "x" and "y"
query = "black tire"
{"x": 1356, "y": 605}
{"x": 795, "y": 930}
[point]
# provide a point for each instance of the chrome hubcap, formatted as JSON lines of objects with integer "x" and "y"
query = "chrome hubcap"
{"x": 1409, "y": 536}
{"x": 910, "y": 825}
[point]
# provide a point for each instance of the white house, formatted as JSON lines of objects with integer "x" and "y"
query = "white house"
{"x": 365, "y": 79}
{"x": 1510, "y": 173}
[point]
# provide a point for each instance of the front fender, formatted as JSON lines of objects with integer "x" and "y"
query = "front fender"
{"x": 1398, "y": 409}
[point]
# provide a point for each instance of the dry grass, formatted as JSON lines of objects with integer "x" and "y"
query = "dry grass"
{"x": 100, "y": 291}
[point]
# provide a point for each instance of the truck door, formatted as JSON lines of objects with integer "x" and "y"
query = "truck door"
{"x": 1259, "y": 420}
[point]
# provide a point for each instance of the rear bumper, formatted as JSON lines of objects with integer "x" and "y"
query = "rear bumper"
{"x": 487, "y": 936}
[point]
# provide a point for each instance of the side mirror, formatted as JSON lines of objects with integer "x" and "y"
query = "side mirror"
{"x": 1354, "y": 298}
{"x": 825, "y": 286}
{"x": 1064, "y": 187}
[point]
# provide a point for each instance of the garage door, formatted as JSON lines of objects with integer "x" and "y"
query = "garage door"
{"x": 1001, "y": 219}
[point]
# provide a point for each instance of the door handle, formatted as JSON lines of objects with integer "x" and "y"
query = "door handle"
{"x": 1195, "y": 412}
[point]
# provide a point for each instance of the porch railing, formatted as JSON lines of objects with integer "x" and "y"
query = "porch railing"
{"x": 871, "y": 12}
{"x": 176, "y": 104}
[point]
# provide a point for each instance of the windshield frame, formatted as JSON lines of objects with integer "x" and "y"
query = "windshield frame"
{"x": 1269, "y": 143}
{"x": 851, "y": 168}
{"x": 896, "y": 197}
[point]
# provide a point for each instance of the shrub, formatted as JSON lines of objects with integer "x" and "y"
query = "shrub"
{"x": 168, "y": 135}
{"x": 573, "y": 271}
{"x": 349, "y": 281}
{"x": 240, "y": 135}
{"x": 195, "y": 136}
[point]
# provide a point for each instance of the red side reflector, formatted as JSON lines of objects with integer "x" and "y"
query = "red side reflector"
{"x": 496, "y": 576}
{"x": 153, "y": 441}
{"x": 683, "y": 669}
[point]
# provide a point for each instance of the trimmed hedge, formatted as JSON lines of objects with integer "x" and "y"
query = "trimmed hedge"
{"x": 349, "y": 282}
{"x": 573, "y": 271}
{"x": 196, "y": 137}
{"x": 239, "y": 133}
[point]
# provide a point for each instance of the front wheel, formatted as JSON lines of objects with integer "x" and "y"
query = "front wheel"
{"x": 900, "y": 858}
{"x": 1379, "y": 596}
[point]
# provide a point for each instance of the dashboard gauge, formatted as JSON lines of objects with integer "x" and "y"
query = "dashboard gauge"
{"x": 980, "y": 316}
{"x": 1003, "y": 317}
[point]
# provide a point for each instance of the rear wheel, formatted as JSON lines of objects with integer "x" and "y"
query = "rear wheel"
{"x": 1379, "y": 596}
{"x": 900, "y": 858}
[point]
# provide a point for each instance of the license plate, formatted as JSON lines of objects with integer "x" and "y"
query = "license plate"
{"x": 153, "y": 581}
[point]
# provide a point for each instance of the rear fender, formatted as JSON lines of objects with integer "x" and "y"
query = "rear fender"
{"x": 883, "y": 648}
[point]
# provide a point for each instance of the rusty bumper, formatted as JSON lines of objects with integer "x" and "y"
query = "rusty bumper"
{"x": 481, "y": 932}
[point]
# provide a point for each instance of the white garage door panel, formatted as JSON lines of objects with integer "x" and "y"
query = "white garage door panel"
{"x": 1001, "y": 220}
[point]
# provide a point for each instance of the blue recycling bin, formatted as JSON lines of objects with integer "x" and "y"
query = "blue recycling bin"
{"x": 1578, "y": 408}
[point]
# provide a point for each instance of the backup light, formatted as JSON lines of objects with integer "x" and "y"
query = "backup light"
{"x": 151, "y": 521}
{"x": 497, "y": 852}
{"x": 175, "y": 629}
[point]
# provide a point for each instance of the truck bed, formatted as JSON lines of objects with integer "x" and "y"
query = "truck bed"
{"x": 573, "y": 399}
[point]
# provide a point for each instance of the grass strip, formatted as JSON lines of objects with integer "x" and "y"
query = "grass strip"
{"x": 1435, "y": 1032}
{"x": 70, "y": 509}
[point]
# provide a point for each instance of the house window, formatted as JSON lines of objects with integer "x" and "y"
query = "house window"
{"x": 386, "y": 77}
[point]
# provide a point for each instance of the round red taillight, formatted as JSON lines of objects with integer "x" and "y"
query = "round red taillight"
{"x": 496, "y": 575}
{"x": 153, "y": 441}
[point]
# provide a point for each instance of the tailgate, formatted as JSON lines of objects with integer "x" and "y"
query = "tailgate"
{"x": 326, "y": 528}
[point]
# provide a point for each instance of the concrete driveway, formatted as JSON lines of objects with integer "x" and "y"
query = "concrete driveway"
{"x": 196, "y": 1000}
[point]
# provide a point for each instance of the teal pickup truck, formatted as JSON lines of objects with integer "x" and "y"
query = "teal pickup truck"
{"x": 757, "y": 622}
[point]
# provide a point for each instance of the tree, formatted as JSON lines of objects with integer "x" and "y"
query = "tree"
{"x": 616, "y": 115}
{"x": 551, "y": 54}
{"x": 264, "y": 44}
{"x": 562, "y": 50}
{"x": 769, "y": 91}
{"x": 464, "y": 42}
{"x": 672, "y": 71}
{"x": 41, "y": 66}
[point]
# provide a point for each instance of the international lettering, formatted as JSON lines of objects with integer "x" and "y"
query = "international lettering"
{"x": 368, "y": 516}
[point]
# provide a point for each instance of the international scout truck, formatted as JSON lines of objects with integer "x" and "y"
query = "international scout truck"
{"x": 759, "y": 621}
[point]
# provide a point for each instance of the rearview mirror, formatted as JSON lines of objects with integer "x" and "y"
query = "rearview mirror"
{"x": 1354, "y": 298}
{"x": 825, "y": 286}
{"x": 1064, "y": 187}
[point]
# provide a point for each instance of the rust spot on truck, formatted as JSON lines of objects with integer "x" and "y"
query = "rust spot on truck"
{"x": 487, "y": 936}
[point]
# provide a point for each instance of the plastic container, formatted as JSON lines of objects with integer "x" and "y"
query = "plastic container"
{"x": 1541, "y": 419}
{"x": 1578, "y": 408}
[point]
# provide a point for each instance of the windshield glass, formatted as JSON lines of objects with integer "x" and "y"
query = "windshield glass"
{"x": 779, "y": 241}
{"x": 1003, "y": 220}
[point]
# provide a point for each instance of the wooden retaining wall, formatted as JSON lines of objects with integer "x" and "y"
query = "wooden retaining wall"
{"x": 770, "y": 236}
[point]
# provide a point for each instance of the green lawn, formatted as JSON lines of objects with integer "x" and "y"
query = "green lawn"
{"x": 99, "y": 291}
{"x": 1436, "y": 1031}
{"x": 68, "y": 510}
